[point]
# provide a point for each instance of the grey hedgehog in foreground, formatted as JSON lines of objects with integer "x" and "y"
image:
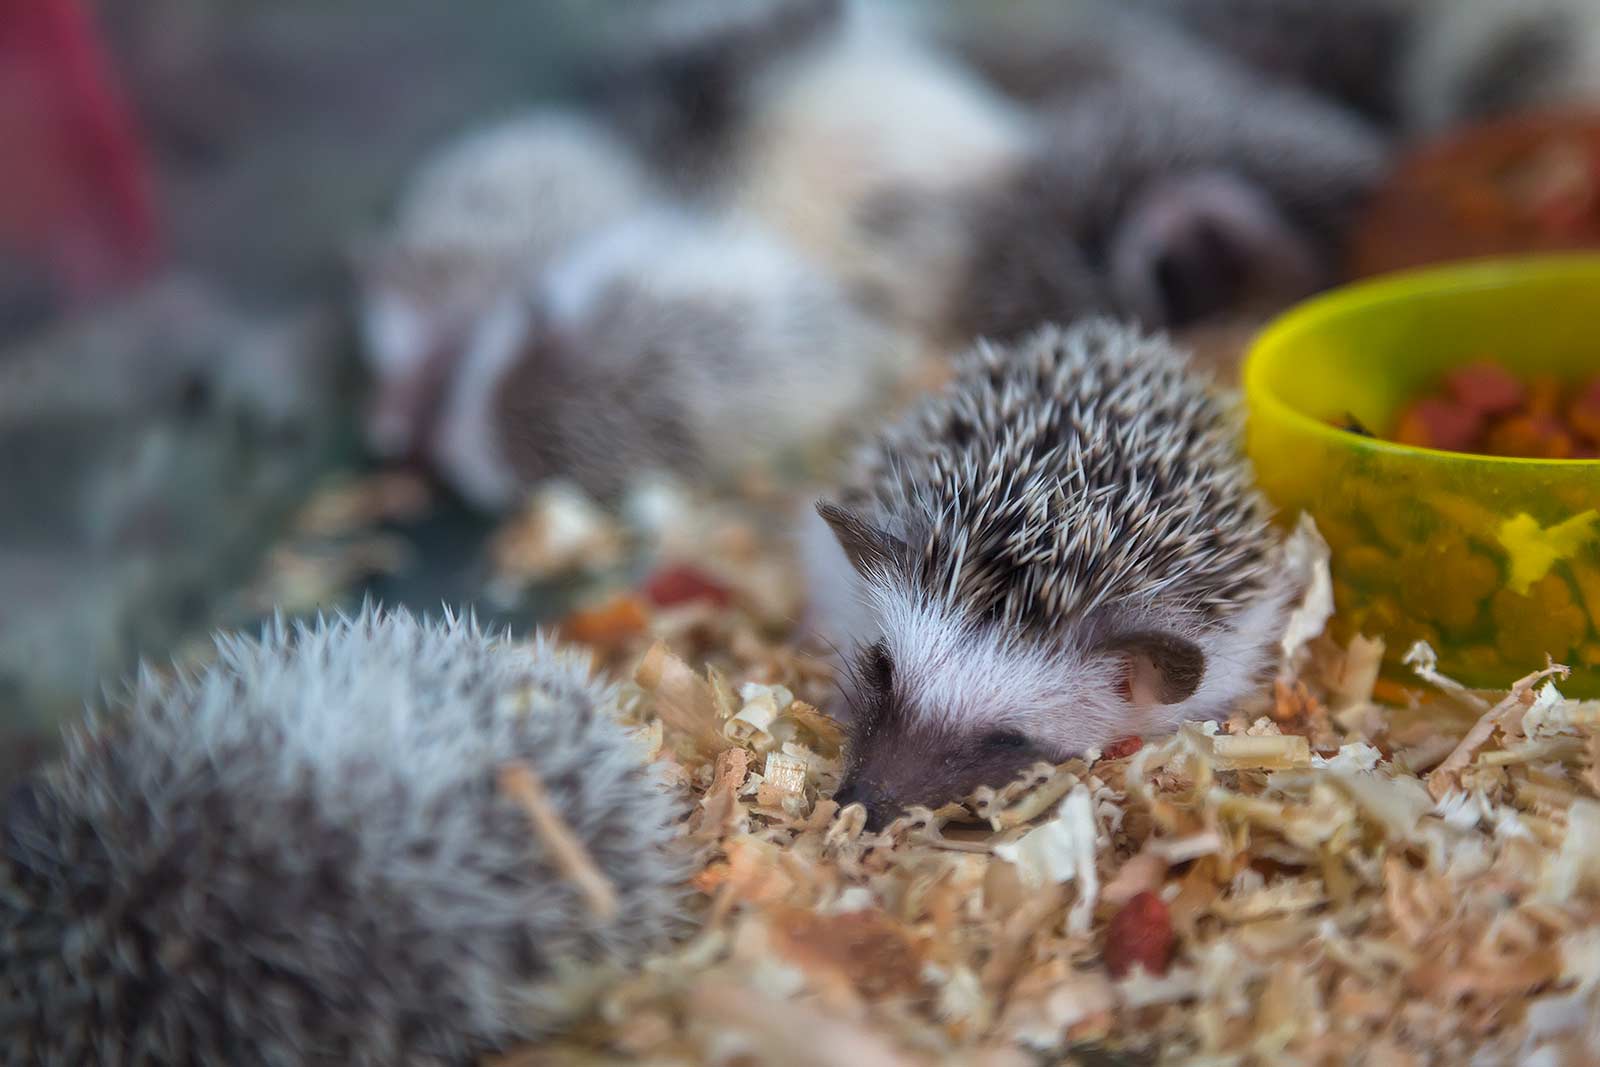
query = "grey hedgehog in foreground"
{"x": 1061, "y": 549}
{"x": 321, "y": 850}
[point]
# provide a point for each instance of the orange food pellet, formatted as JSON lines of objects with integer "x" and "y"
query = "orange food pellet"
{"x": 1544, "y": 396}
{"x": 1122, "y": 747}
{"x": 1529, "y": 435}
{"x": 1584, "y": 413}
{"x": 608, "y": 624}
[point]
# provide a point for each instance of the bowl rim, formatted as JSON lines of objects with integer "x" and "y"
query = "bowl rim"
{"x": 1495, "y": 272}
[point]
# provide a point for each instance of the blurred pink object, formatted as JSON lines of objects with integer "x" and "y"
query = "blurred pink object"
{"x": 75, "y": 189}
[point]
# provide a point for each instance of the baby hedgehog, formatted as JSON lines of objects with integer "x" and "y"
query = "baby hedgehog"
{"x": 488, "y": 210}
{"x": 320, "y": 850}
{"x": 700, "y": 346}
{"x": 1166, "y": 184}
{"x": 1062, "y": 548}
{"x": 1475, "y": 60}
{"x": 831, "y": 121}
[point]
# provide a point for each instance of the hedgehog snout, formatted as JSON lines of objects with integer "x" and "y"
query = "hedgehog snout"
{"x": 1195, "y": 246}
{"x": 881, "y": 808}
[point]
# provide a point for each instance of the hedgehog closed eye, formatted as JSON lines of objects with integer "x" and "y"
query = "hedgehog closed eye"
{"x": 880, "y": 666}
{"x": 1006, "y": 739}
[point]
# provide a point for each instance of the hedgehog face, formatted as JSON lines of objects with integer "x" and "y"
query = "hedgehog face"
{"x": 942, "y": 703}
{"x": 940, "y": 706}
{"x": 900, "y": 756}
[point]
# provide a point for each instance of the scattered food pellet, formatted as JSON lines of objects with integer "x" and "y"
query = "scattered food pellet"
{"x": 682, "y": 584}
{"x": 607, "y": 624}
{"x": 1140, "y": 933}
{"x": 1122, "y": 747}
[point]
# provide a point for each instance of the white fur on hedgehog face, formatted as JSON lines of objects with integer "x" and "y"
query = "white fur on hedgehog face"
{"x": 1065, "y": 699}
{"x": 416, "y": 306}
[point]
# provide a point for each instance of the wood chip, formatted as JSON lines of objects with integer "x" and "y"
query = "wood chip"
{"x": 519, "y": 782}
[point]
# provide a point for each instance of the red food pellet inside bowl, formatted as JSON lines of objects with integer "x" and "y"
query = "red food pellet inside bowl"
{"x": 1437, "y": 422}
{"x": 1484, "y": 409}
{"x": 1487, "y": 388}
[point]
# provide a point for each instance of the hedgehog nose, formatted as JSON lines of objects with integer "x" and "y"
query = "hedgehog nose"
{"x": 879, "y": 807}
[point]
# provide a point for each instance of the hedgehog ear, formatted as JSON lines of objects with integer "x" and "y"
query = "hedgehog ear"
{"x": 1159, "y": 668}
{"x": 867, "y": 547}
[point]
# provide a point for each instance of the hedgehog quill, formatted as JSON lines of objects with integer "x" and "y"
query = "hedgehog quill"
{"x": 1062, "y": 548}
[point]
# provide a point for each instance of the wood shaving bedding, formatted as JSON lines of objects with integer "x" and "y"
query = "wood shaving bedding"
{"x": 1354, "y": 870}
{"x": 1345, "y": 879}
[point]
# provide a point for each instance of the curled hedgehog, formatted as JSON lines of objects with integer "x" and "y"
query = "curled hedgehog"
{"x": 318, "y": 850}
{"x": 486, "y": 212}
{"x": 673, "y": 342}
{"x": 1060, "y": 549}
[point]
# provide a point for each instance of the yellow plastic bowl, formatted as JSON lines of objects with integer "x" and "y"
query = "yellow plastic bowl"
{"x": 1495, "y": 562}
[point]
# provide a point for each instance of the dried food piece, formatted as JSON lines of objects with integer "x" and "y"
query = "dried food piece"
{"x": 1434, "y": 422}
{"x": 683, "y": 583}
{"x": 1140, "y": 934}
{"x": 1482, "y": 408}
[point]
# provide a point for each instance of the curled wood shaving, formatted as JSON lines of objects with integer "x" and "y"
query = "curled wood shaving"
{"x": 1447, "y": 775}
{"x": 684, "y": 701}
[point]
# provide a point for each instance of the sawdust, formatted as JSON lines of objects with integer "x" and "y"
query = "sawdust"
{"x": 1347, "y": 879}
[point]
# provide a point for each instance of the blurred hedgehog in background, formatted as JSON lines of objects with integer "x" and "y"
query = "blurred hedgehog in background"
{"x": 1417, "y": 66}
{"x": 1165, "y": 183}
{"x": 823, "y": 119}
{"x": 332, "y": 846}
{"x": 673, "y": 342}
{"x": 852, "y": 177}
{"x": 677, "y": 83}
{"x": 976, "y": 172}
{"x": 1347, "y": 53}
{"x": 1473, "y": 60}
{"x": 486, "y": 212}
